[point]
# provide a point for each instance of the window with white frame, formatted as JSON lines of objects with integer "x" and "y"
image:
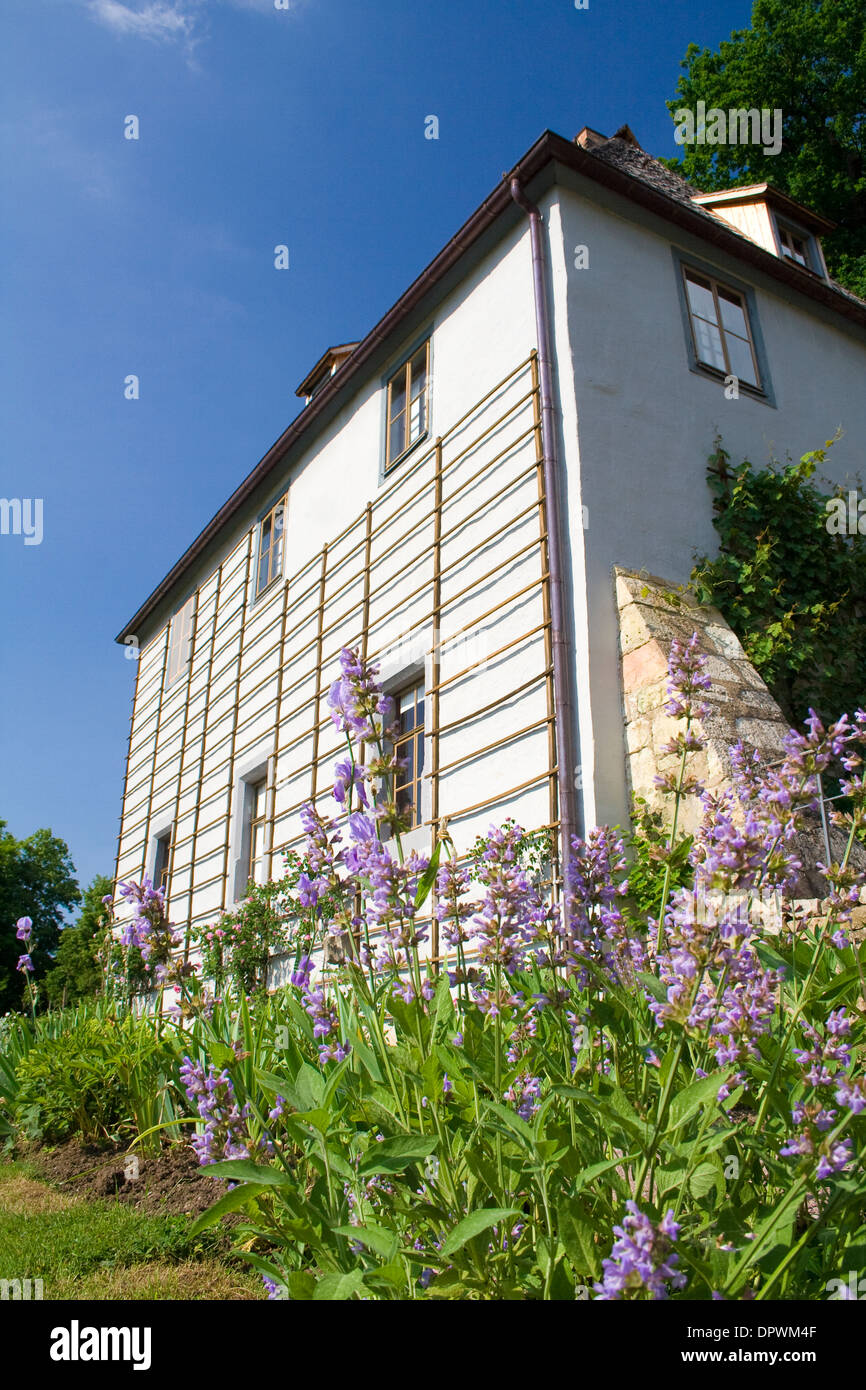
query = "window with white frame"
{"x": 179, "y": 641}
{"x": 796, "y": 245}
{"x": 721, "y": 333}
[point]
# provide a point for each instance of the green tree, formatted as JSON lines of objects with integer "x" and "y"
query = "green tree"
{"x": 77, "y": 972}
{"x": 806, "y": 58}
{"x": 37, "y": 880}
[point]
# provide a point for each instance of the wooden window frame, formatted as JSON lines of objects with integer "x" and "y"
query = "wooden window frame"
{"x": 274, "y": 571}
{"x": 415, "y": 736}
{"x": 254, "y": 822}
{"x": 404, "y": 371}
{"x": 715, "y": 285}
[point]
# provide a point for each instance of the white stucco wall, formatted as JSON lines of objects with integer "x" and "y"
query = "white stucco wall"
{"x": 639, "y": 427}
{"x": 189, "y": 753}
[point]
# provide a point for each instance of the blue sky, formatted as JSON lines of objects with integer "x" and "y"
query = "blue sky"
{"x": 155, "y": 257}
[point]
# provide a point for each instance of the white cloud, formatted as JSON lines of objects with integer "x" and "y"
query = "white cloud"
{"x": 263, "y": 5}
{"x": 166, "y": 21}
{"x": 153, "y": 20}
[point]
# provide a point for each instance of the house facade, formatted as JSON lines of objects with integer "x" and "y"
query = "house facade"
{"x": 536, "y": 409}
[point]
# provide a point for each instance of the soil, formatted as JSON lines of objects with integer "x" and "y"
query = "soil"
{"x": 169, "y": 1183}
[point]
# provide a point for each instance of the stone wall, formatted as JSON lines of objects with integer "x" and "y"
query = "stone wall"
{"x": 651, "y": 614}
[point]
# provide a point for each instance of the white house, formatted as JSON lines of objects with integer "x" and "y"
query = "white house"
{"x": 537, "y": 408}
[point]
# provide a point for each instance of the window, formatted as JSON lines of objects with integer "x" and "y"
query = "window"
{"x": 407, "y": 405}
{"x": 162, "y": 862}
{"x": 179, "y": 641}
{"x": 409, "y": 747}
{"x": 257, "y": 803}
{"x": 720, "y": 328}
{"x": 795, "y": 245}
{"x": 271, "y": 546}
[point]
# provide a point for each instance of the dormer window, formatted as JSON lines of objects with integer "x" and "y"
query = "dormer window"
{"x": 796, "y": 245}
{"x": 771, "y": 219}
{"x": 327, "y": 366}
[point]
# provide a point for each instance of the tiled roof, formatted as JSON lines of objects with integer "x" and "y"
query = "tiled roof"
{"x": 635, "y": 161}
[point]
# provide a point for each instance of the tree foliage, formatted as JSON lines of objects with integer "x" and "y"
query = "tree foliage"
{"x": 794, "y": 593}
{"x": 806, "y": 58}
{"x": 77, "y": 970}
{"x": 37, "y": 880}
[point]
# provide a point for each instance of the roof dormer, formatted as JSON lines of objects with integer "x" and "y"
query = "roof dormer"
{"x": 321, "y": 374}
{"x": 771, "y": 219}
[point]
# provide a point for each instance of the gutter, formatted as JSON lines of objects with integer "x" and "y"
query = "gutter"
{"x": 564, "y": 718}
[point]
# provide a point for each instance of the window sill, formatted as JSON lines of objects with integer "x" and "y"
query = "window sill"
{"x": 269, "y": 590}
{"x": 755, "y": 393}
{"x": 401, "y": 458}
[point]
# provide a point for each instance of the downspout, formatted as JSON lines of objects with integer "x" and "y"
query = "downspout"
{"x": 563, "y": 712}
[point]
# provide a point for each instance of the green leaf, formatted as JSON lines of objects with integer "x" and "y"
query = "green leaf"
{"x": 443, "y": 1007}
{"x": 336, "y": 1288}
{"x": 512, "y": 1121}
{"x": 222, "y": 1055}
{"x": 301, "y": 1286}
{"x": 319, "y": 1119}
{"x": 669, "y": 1178}
{"x": 666, "y": 1066}
{"x": 706, "y": 1176}
{"x": 310, "y": 1087}
{"x": 595, "y": 1170}
{"x": 474, "y": 1224}
{"x": 334, "y": 1080}
{"x": 770, "y": 958}
{"x": 393, "y": 1155}
{"x": 392, "y": 1273}
{"x": 244, "y": 1170}
{"x": 576, "y": 1234}
{"x": 271, "y": 1082}
{"x": 654, "y": 985}
{"x": 428, "y": 878}
{"x": 376, "y": 1238}
{"x": 238, "y": 1197}
{"x": 691, "y": 1099}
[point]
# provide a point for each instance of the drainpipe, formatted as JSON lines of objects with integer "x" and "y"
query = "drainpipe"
{"x": 568, "y": 818}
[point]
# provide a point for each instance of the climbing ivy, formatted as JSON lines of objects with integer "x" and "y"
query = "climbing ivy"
{"x": 790, "y": 582}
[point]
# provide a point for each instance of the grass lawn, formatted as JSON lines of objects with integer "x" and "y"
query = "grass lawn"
{"x": 107, "y": 1250}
